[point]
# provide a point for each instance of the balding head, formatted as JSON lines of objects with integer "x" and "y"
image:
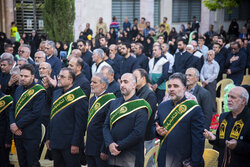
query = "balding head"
{"x": 237, "y": 99}
{"x": 76, "y": 52}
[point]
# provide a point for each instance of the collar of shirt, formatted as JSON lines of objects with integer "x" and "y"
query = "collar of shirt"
{"x": 192, "y": 90}
{"x": 96, "y": 97}
{"x": 49, "y": 57}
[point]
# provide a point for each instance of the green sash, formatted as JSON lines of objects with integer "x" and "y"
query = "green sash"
{"x": 26, "y": 97}
{"x": 5, "y": 101}
{"x": 128, "y": 108}
{"x": 99, "y": 104}
{"x": 177, "y": 114}
{"x": 66, "y": 99}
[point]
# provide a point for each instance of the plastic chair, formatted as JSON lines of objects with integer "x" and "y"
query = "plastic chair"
{"x": 150, "y": 153}
{"x": 210, "y": 157}
{"x": 219, "y": 100}
{"x": 207, "y": 144}
{"x": 45, "y": 162}
{"x": 246, "y": 80}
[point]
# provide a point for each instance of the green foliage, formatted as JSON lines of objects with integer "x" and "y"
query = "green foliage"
{"x": 220, "y": 4}
{"x": 59, "y": 16}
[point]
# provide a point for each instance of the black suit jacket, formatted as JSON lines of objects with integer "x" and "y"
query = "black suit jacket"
{"x": 204, "y": 99}
{"x": 182, "y": 62}
{"x": 95, "y": 140}
{"x": 68, "y": 126}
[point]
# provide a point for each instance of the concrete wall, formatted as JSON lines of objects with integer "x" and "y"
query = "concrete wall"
{"x": 89, "y": 12}
{"x": 147, "y": 10}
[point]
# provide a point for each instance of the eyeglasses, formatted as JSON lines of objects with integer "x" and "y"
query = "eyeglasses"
{"x": 21, "y": 51}
{"x": 42, "y": 68}
{"x": 38, "y": 57}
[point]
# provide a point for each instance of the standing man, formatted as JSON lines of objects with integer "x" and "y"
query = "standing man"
{"x": 169, "y": 56}
{"x": 144, "y": 92}
{"x": 232, "y": 136}
{"x": 51, "y": 58}
{"x": 25, "y": 117}
{"x": 167, "y": 27}
{"x": 6, "y": 65}
{"x": 209, "y": 73}
{"x": 116, "y": 58}
{"x": 142, "y": 59}
{"x": 76, "y": 64}
{"x": 68, "y": 120}
{"x": 98, "y": 58}
{"x": 220, "y": 59}
{"x": 102, "y": 25}
{"x": 86, "y": 55}
{"x": 202, "y": 95}
{"x": 128, "y": 63}
{"x": 179, "y": 125}
{"x": 98, "y": 109}
{"x": 158, "y": 73}
{"x": 125, "y": 126}
{"x": 5, "y": 133}
{"x": 182, "y": 59}
{"x": 113, "y": 86}
{"x": 236, "y": 64}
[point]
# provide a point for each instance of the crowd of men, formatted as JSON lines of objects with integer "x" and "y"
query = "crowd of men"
{"x": 114, "y": 94}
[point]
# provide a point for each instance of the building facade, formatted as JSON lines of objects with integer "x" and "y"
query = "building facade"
{"x": 27, "y": 13}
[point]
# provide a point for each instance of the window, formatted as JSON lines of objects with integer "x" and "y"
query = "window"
{"x": 157, "y": 12}
{"x": 240, "y": 13}
{"x": 184, "y": 10}
{"x": 128, "y": 8}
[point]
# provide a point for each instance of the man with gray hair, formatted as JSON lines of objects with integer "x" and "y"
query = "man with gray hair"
{"x": 113, "y": 87}
{"x": 55, "y": 62}
{"x": 169, "y": 56}
{"x": 208, "y": 75}
{"x": 39, "y": 57}
{"x": 6, "y": 65}
{"x": 24, "y": 52}
{"x": 98, "y": 58}
{"x": 21, "y": 61}
{"x": 125, "y": 126}
{"x": 202, "y": 95}
{"x": 98, "y": 109}
{"x": 116, "y": 58}
{"x": 232, "y": 136}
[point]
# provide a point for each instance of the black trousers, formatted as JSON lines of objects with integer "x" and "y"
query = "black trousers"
{"x": 160, "y": 95}
{"x": 96, "y": 161}
{"x": 64, "y": 158}
{"x": 4, "y": 154}
{"x": 28, "y": 152}
{"x": 211, "y": 87}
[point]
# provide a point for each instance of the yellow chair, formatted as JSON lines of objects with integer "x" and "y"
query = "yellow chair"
{"x": 219, "y": 100}
{"x": 246, "y": 80}
{"x": 13, "y": 158}
{"x": 210, "y": 157}
{"x": 45, "y": 162}
{"x": 150, "y": 153}
{"x": 166, "y": 92}
{"x": 207, "y": 144}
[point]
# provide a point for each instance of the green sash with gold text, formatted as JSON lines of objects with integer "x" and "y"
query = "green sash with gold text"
{"x": 128, "y": 108}
{"x": 26, "y": 97}
{"x": 66, "y": 99}
{"x": 99, "y": 104}
{"x": 5, "y": 101}
{"x": 177, "y": 114}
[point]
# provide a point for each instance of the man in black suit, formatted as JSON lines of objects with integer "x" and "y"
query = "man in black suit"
{"x": 236, "y": 64}
{"x": 182, "y": 135}
{"x": 25, "y": 117}
{"x": 125, "y": 126}
{"x": 68, "y": 121}
{"x": 202, "y": 95}
{"x": 98, "y": 108}
{"x": 76, "y": 64}
{"x": 182, "y": 59}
